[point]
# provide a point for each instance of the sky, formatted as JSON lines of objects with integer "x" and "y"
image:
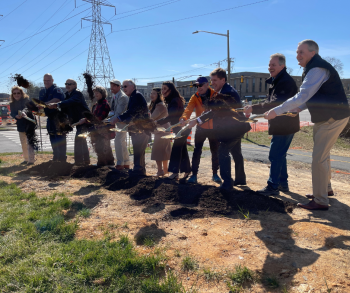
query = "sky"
{"x": 37, "y": 43}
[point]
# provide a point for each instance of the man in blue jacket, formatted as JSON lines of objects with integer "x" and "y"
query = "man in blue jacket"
{"x": 137, "y": 108}
{"x": 53, "y": 94}
{"x": 74, "y": 105}
{"x": 228, "y": 131}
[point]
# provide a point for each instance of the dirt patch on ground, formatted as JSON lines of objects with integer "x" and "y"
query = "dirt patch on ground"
{"x": 49, "y": 169}
{"x": 300, "y": 250}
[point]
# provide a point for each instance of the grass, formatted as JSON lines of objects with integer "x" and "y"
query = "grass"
{"x": 38, "y": 252}
{"x": 84, "y": 212}
{"x": 40, "y": 152}
{"x": 210, "y": 275}
{"x": 301, "y": 140}
{"x": 272, "y": 282}
{"x": 244, "y": 213}
{"x": 241, "y": 276}
{"x": 189, "y": 264}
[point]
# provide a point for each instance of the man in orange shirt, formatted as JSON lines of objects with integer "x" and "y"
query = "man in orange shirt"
{"x": 203, "y": 131}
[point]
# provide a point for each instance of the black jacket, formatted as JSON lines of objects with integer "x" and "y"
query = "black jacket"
{"x": 15, "y": 106}
{"x": 137, "y": 108}
{"x": 281, "y": 89}
{"x": 175, "y": 110}
{"x": 330, "y": 100}
{"x": 225, "y": 126}
{"x": 74, "y": 105}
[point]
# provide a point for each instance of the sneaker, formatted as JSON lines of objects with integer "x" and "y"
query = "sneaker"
{"x": 216, "y": 179}
{"x": 268, "y": 190}
{"x": 192, "y": 179}
{"x": 283, "y": 188}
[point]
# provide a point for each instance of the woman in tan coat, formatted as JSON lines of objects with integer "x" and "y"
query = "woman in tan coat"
{"x": 161, "y": 148}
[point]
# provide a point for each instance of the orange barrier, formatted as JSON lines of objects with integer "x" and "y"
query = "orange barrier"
{"x": 264, "y": 126}
{"x": 189, "y": 138}
{"x": 0, "y": 121}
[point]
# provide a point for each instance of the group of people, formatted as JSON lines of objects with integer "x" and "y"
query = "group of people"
{"x": 216, "y": 119}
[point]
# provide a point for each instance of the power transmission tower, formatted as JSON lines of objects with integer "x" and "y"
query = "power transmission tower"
{"x": 99, "y": 63}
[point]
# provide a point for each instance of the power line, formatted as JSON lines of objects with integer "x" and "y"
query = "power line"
{"x": 40, "y": 55}
{"x": 13, "y": 10}
{"x": 146, "y": 10}
{"x": 45, "y": 29}
{"x": 181, "y": 19}
{"x": 7, "y": 59}
{"x": 170, "y": 75}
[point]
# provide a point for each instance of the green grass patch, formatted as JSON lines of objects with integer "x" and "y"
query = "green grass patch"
{"x": 38, "y": 252}
{"x": 241, "y": 276}
{"x": 189, "y": 264}
{"x": 84, "y": 212}
{"x": 272, "y": 282}
{"x": 301, "y": 140}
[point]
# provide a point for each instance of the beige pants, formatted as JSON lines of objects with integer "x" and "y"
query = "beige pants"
{"x": 28, "y": 151}
{"x": 325, "y": 136}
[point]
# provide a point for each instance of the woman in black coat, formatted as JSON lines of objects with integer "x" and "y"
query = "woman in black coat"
{"x": 179, "y": 160}
{"x": 18, "y": 101}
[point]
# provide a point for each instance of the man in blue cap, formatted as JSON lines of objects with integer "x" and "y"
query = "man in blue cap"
{"x": 204, "y": 131}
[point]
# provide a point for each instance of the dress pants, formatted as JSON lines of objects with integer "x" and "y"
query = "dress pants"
{"x": 59, "y": 147}
{"x": 81, "y": 150}
{"x": 199, "y": 138}
{"x": 325, "y": 135}
{"x": 278, "y": 158}
{"x": 234, "y": 147}
{"x": 121, "y": 149}
{"x": 179, "y": 159}
{"x": 28, "y": 151}
{"x": 139, "y": 143}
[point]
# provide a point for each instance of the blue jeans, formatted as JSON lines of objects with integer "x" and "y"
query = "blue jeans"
{"x": 278, "y": 153}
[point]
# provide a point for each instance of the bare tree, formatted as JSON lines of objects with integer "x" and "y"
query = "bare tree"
{"x": 290, "y": 70}
{"x": 336, "y": 63}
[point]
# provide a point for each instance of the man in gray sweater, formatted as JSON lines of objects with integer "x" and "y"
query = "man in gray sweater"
{"x": 119, "y": 104}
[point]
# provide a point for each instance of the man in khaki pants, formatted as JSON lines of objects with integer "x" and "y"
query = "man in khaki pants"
{"x": 323, "y": 94}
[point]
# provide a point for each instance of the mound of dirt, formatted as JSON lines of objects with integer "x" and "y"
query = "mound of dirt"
{"x": 209, "y": 200}
{"x": 93, "y": 173}
{"x": 50, "y": 169}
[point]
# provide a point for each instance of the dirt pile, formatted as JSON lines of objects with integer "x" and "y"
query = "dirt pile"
{"x": 49, "y": 169}
{"x": 208, "y": 200}
{"x": 92, "y": 173}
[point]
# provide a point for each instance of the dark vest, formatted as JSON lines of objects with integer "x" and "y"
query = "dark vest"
{"x": 330, "y": 100}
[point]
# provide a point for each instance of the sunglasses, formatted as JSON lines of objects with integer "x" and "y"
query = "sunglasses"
{"x": 17, "y": 93}
{"x": 200, "y": 85}
{"x": 69, "y": 83}
{"x": 124, "y": 86}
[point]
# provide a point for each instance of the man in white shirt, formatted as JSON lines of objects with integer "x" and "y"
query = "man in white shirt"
{"x": 323, "y": 94}
{"x": 119, "y": 104}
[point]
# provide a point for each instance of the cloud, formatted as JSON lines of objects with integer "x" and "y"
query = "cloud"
{"x": 203, "y": 65}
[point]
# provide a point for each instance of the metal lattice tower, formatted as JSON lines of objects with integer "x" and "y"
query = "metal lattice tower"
{"x": 99, "y": 63}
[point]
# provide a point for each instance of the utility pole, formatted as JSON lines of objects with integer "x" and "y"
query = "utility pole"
{"x": 99, "y": 63}
{"x": 228, "y": 58}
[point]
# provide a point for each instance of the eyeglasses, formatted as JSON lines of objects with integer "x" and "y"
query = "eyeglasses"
{"x": 124, "y": 86}
{"x": 68, "y": 83}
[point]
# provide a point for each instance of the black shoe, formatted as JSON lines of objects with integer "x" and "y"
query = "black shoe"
{"x": 283, "y": 188}
{"x": 268, "y": 190}
{"x": 24, "y": 163}
{"x": 137, "y": 173}
{"x": 226, "y": 187}
{"x": 29, "y": 164}
{"x": 235, "y": 183}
